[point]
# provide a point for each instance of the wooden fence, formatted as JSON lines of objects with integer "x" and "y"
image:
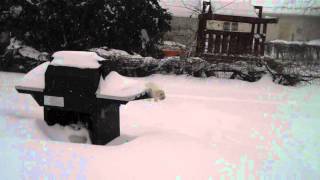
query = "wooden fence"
{"x": 231, "y": 43}
{"x": 219, "y": 43}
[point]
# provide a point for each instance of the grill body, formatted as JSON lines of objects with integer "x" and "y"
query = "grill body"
{"x": 69, "y": 97}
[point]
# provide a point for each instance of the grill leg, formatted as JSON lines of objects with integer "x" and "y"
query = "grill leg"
{"x": 105, "y": 125}
{"x": 50, "y": 116}
{"x": 54, "y": 116}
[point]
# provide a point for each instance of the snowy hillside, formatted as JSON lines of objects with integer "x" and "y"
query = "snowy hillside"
{"x": 205, "y": 129}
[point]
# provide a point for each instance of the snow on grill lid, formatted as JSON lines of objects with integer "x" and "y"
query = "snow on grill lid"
{"x": 78, "y": 59}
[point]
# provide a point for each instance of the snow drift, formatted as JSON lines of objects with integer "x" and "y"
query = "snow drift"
{"x": 205, "y": 129}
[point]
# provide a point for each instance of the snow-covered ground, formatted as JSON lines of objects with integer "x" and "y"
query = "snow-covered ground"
{"x": 205, "y": 129}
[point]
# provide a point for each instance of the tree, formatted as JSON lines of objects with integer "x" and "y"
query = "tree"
{"x": 52, "y": 25}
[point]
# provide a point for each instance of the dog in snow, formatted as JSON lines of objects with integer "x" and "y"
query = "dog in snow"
{"x": 155, "y": 92}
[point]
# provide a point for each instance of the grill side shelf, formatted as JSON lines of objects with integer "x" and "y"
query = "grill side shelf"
{"x": 143, "y": 95}
{"x": 36, "y": 93}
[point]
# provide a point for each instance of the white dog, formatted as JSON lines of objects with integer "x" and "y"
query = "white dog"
{"x": 155, "y": 92}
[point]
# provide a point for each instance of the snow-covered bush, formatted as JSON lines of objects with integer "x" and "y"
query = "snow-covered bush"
{"x": 19, "y": 57}
{"x": 292, "y": 62}
{"x": 51, "y": 25}
{"x": 294, "y": 51}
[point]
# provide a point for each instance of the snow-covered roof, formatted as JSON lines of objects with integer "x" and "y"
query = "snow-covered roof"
{"x": 315, "y": 42}
{"x": 79, "y": 59}
{"x": 287, "y": 42}
{"x": 233, "y": 8}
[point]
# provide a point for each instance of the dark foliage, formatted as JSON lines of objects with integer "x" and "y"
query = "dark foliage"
{"x": 52, "y": 25}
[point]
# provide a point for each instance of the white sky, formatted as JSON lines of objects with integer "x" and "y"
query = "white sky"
{"x": 182, "y": 7}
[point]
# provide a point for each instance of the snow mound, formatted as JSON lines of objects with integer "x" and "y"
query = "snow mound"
{"x": 265, "y": 80}
{"x": 26, "y": 51}
{"x": 315, "y": 42}
{"x": 79, "y": 59}
{"x": 119, "y": 86}
{"x": 35, "y": 80}
{"x": 287, "y": 42}
{"x": 114, "y": 53}
{"x": 208, "y": 128}
{"x": 74, "y": 133}
{"x": 30, "y": 52}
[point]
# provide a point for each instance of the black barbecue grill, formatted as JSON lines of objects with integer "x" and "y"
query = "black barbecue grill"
{"x": 69, "y": 96}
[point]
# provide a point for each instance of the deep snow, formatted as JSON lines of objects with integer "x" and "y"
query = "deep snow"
{"x": 205, "y": 129}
